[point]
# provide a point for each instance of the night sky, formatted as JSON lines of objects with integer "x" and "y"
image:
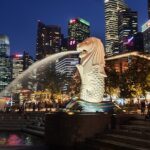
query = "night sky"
{"x": 19, "y": 18}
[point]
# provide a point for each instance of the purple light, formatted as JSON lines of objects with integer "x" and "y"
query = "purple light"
{"x": 129, "y": 41}
{"x": 72, "y": 42}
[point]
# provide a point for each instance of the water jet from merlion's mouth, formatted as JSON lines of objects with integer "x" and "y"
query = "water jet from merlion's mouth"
{"x": 37, "y": 64}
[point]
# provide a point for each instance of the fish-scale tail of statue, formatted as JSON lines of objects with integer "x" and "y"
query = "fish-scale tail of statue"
{"x": 92, "y": 90}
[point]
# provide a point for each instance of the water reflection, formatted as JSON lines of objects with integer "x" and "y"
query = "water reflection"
{"x": 19, "y": 138}
{"x": 13, "y": 139}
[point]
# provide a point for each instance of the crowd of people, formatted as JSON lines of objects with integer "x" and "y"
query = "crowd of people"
{"x": 35, "y": 106}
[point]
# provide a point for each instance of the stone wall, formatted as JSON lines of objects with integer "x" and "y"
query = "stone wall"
{"x": 64, "y": 129}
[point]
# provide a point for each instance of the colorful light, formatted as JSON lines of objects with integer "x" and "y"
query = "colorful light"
{"x": 145, "y": 26}
{"x": 72, "y": 42}
{"x": 127, "y": 55}
{"x": 84, "y": 21}
{"x": 129, "y": 41}
{"x": 18, "y": 55}
{"x": 73, "y": 21}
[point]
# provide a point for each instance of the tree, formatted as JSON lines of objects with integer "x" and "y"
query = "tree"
{"x": 135, "y": 78}
{"x": 125, "y": 92}
{"x": 112, "y": 82}
{"x": 75, "y": 83}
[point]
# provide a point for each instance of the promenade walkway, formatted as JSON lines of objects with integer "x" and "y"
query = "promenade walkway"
{"x": 133, "y": 135}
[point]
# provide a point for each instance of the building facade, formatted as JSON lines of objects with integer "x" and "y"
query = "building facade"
{"x": 21, "y": 62}
{"x": 17, "y": 65}
{"x": 148, "y": 3}
{"x": 78, "y": 30}
{"x": 5, "y": 62}
{"x": 127, "y": 29}
{"x": 146, "y": 36}
{"x": 67, "y": 66}
{"x": 48, "y": 40}
{"x": 27, "y": 60}
{"x": 112, "y": 7}
{"x": 139, "y": 42}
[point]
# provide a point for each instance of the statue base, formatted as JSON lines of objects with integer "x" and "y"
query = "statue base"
{"x": 64, "y": 129}
{"x": 83, "y": 106}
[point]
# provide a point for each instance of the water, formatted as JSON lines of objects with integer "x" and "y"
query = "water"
{"x": 44, "y": 62}
{"x": 19, "y": 139}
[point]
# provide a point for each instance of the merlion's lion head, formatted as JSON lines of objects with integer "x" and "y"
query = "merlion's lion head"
{"x": 92, "y": 50}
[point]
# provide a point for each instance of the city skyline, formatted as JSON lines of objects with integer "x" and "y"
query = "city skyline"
{"x": 20, "y": 23}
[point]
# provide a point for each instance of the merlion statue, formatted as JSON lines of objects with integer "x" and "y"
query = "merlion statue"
{"x": 91, "y": 70}
{"x": 92, "y": 73}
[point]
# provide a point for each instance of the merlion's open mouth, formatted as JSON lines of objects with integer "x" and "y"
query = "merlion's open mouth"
{"x": 82, "y": 53}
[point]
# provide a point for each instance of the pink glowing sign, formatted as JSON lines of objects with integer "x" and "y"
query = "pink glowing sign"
{"x": 72, "y": 42}
{"x": 18, "y": 55}
{"x": 73, "y": 21}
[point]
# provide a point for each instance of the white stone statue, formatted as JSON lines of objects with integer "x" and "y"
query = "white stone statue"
{"x": 91, "y": 69}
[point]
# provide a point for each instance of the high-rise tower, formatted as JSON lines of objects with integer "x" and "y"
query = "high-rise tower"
{"x": 5, "y": 63}
{"x": 27, "y": 60}
{"x": 48, "y": 40}
{"x": 112, "y": 7}
{"x": 148, "y": 9}
{"x": 78, "y": 30}
{"x": 17, "y": 65}
{"x": 128, "y": 28}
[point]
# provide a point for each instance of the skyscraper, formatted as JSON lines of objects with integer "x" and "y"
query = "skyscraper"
{"x": 27, "y": 60}
{"x": 139, "y": 42}
{"x": 148, "y": 9}
{"x": 78, "y": 30}
{"x": 5, "y": 63}
{"x": 17, "y": 65}
{"x": 20, "y": 62}
{"x": 48, "y": 40}
{"x": 128, "y": 28}
{"x": 112, "y": 7}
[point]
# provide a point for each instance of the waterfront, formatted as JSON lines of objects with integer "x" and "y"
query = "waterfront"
{"x": 20, "y": 141}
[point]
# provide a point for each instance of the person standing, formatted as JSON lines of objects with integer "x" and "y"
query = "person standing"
{"x": 142, "y": 107}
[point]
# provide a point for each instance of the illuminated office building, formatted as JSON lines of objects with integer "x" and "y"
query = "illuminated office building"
{"x": 78, "y": 30}
{"x": 48, "y": 40}
{"x": 27, "y": 60}
{"x": 20, "y": 62}
{"x": 139, "y": 42}
{"x": 17, "y": 65}
{"x": 128, "y": 28}
{"x": 112, "y": 7}
{"x": 5, "y": 62}
{"x": 67, "y": 66}
{"x": 146, "y": 36}
{"x": 148, "y": 9}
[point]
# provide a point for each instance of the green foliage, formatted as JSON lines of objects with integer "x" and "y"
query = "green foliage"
{"x": 133, "y": 82}
{"x": 51, "y": 80}
{"x": 75, "y": 84}
{"x": 111, "y": 82}
{"x": 137, "y": 77}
